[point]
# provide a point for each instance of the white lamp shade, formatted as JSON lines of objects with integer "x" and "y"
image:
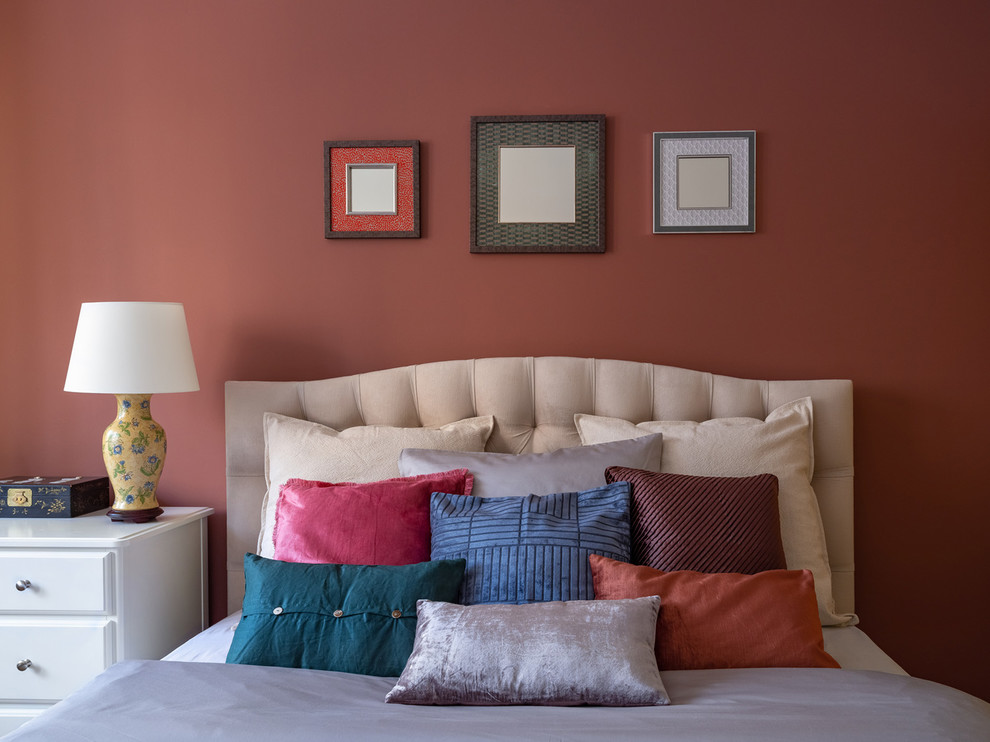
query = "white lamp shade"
{"x": 131, "y": 347}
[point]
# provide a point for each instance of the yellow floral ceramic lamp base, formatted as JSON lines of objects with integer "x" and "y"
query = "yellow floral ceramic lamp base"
{"x": 134, "y": 452}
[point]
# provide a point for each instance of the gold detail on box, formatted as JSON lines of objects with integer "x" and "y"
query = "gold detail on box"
{"x": 18, "y": 498}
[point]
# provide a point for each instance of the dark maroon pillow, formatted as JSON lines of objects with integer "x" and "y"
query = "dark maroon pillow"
{"x": 703, "y": 524}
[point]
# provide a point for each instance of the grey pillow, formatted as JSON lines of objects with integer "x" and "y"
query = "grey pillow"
{"x": 571, "y": 469}
{"x": 581, "y": 652}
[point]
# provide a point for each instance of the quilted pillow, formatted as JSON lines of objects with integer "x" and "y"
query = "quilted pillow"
{"x": 705, "y": 524}
{"x": 345, "y": 617}
{"x": 385, "y": 522}
{"x": 710, "y": 621}
{"x": 740, "y": 447}
{"x": 533, "y": 548}
{"x": 299, "y": 449}
{"x": 564, "y": 470}
{"x": 486, "y": 655}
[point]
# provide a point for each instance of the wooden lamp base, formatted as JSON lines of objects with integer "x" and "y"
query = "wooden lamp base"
{"x": 133, "y": 516}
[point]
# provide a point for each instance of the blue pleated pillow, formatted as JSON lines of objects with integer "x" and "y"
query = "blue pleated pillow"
{"x": 534, "y": 548}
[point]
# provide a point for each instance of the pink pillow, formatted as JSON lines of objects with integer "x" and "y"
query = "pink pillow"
{"x": 386, "y": 522}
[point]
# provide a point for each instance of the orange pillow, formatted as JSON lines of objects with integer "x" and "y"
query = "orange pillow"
{"x": 768, "y": 619}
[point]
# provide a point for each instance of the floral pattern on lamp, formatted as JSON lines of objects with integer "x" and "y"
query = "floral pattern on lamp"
{"x": 134, "y": 449}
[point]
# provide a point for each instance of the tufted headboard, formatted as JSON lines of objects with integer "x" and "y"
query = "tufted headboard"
{"x": 533, "y": 401}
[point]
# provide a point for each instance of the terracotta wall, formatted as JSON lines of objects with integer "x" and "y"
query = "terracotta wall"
{"x": 172, "y": 151}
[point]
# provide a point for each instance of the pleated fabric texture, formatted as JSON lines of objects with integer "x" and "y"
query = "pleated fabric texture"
{"x": 704, "y": 524}
{"x": 533, "y": 548}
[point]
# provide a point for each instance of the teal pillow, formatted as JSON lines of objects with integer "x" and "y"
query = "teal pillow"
{"x": 345, "y": 617}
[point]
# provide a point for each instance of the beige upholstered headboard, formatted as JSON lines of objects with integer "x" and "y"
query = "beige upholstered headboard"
{"x": 533, "y": 401}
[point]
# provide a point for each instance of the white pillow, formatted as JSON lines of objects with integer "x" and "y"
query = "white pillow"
{"x": 741, "y": 447}
{"x": 307, "y": 450}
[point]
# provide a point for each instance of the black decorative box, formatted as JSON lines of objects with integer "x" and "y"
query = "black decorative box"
{"x": 53, "y": 497}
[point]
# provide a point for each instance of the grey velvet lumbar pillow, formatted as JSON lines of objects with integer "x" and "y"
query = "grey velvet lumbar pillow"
{"x": 580, "y": 652}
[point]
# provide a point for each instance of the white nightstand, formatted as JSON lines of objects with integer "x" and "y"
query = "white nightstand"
{"x": 78, "y": 594}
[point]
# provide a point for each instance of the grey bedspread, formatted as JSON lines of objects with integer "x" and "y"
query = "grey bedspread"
{"x": 173, "y": 701}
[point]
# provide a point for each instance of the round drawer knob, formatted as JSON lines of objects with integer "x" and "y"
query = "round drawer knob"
{"x": 22, "y": 585}
{"x": 23, "y": 665}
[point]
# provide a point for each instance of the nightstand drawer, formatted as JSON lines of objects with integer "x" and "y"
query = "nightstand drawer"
{"x": 62, "y": 656}
{"x": 55, "y": 581}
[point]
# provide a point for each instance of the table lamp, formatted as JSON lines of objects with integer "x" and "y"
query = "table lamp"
{"x": 132, "y": 350}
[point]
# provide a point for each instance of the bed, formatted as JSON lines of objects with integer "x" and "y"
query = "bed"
{"x": 581, "y": 668}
